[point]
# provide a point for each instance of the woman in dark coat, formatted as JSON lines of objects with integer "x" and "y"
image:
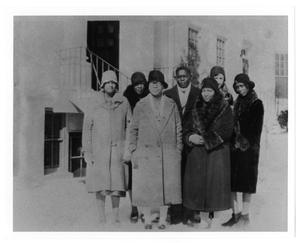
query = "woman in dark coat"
{"x": 218, "y": 73}
{"x": 137, "y": 90}
{"x": 207, "y": 134}
{"x": 248, "y": 116}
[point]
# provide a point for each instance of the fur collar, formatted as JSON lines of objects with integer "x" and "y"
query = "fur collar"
{"x": 243, "y": 103}
{"x": 204, "y": 113}
{"x": 133, "y": 97}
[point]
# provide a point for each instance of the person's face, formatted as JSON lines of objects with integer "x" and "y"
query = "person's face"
{"x": 241, "y": 89}
{"x": 220, "y": 79}
{"x": 207, "y": 94}
{"x": 155, "y": 88}
{"x": 110, "y": 88}
{"x": 182, "y": 78}
{"x": 139, "y": 88}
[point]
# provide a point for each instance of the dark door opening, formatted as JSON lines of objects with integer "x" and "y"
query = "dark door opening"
{"x": 77, "y": 164}
{"x": 103, "y": 40}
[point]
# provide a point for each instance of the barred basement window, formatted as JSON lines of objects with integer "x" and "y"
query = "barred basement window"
{"x": 220, "y": 51}
{"x": 53, "y": 124}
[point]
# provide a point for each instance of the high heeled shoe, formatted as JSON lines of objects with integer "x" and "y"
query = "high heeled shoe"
{"x": 134, "y": 217}
{"x": 233, "y": 220}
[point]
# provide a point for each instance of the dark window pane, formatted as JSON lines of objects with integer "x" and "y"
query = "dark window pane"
{"x": 53, "y": 125}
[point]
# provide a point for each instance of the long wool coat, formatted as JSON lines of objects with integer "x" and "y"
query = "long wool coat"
{"x": 157, "y": 152}
{"x": 248, "y": 113}
{"x": 207, "y": 174}
{"x": 103, "y": 140}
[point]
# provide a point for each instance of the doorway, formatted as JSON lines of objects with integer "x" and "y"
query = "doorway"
{"x": 102, "y": 40}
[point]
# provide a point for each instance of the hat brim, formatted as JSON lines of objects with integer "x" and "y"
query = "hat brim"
{"x": 105, "y": 82}
{"x": 164, "y": 84}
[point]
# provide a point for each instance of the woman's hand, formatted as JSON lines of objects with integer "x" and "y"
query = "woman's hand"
{"x": 196, "y": 139}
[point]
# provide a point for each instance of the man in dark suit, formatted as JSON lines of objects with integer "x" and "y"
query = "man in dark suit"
{"x": 184, "y": 94}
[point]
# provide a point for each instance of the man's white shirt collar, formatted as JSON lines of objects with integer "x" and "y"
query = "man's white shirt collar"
{"x": 183, "y": 95}
{"x": 184, "y": 90}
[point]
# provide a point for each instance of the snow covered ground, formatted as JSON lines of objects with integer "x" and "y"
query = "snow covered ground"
{"x": 62, "y": 204}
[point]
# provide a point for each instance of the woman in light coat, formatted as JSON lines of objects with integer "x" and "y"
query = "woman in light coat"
{"x": 155, "y": 143}
{"x": 103, "y": 140}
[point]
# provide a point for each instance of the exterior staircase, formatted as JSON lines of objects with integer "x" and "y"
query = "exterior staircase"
{"x": 78, "y": 64}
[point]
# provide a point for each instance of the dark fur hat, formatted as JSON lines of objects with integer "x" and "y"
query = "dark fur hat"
{"x": 243, "y": 78}
{"x": 210, "y": 83}
{"x": 138, "y": 78}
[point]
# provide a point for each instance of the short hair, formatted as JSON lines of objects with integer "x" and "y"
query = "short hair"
{"x": 185, "y": 68}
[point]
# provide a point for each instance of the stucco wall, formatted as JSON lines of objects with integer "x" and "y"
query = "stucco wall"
{"x": 36, "y": 81}
{"x": 35, "y": 72}
{"x": 136, "y": 45}
{"x": 262, "y": 37}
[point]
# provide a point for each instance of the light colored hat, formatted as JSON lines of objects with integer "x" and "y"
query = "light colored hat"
{"x": 108, "y": 76}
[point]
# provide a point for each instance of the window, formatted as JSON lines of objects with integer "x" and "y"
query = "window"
{"x": 192, "y": 47}
{"x": 281, "y": 75}
{"x": 220, "y": 51}
{"x": 53, "y": 124}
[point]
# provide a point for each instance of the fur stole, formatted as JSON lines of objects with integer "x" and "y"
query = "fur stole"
{"x": 204, "y": 113}
{"x": 242, "y": 105}
{"x": 133, "y": 97}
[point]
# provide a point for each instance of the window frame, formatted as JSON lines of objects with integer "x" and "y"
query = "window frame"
{"x": 220, "y": 50}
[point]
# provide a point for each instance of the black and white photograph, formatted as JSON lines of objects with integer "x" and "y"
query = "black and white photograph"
{"x": 152, "y": 123}
{"x": 140, "y": 123}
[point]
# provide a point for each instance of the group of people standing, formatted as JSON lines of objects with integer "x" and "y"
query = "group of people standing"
{"x": 189, "y": 150}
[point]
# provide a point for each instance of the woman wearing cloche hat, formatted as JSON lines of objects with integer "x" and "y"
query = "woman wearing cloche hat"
{"x": 155, "y": 144}
{"x": 206, "y": 186}
{"x": 134, "y": 92}
{"x": 248, "y": 121}
{"x": 218, "y": 73}
{"x": 103, "y": 141}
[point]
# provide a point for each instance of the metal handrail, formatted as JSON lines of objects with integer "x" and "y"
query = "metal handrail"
{"x": 74, "y": 66}
{"x": 107, "y": 63}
